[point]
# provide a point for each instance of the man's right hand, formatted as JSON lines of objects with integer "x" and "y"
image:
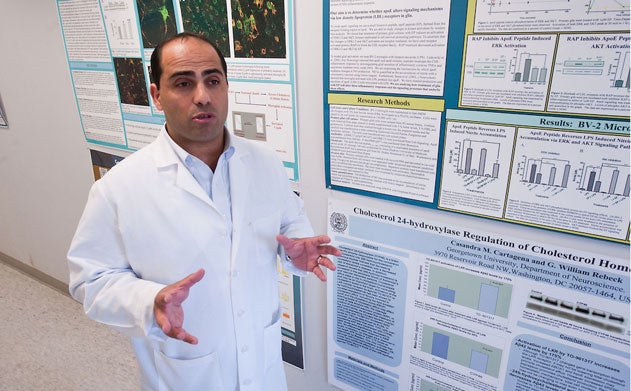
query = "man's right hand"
{"x": 167, "y": 307}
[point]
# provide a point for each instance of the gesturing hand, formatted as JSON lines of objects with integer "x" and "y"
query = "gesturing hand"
{"x": 309, "y": 253}
{"x": 167, "y": 307}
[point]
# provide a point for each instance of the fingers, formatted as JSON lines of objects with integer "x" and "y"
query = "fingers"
{"x": 326, "y": 262}
{"x": 192, "y": 279}
{"x": 163, "y": 322}
{"x": 319, "y": 243}
{"x": 178, "y": 333}
{"x": 319, "y": 273}
{"x": 328, "y": 249}
{"x": 173, "y": 331}
{"x": 168, "y": 310}
{"x": 182, "y": 335}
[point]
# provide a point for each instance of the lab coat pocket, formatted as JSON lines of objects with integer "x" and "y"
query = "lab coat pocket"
{"x": 272, "y": 341}
{"x": 202, "y": 373}
{"x": 264, "y": 231}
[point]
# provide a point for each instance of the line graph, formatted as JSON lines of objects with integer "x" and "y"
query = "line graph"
{"x": 607, "y": 6}
{"x": 527, "y": 6}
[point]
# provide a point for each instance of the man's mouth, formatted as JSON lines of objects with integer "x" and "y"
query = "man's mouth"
{"x": 203, "y": 116}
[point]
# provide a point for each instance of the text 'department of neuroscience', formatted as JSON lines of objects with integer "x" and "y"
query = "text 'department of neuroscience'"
{"x": 417, "y": 304}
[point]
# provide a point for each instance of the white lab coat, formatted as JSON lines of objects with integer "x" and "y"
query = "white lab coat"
{"x": 148, "y": 223}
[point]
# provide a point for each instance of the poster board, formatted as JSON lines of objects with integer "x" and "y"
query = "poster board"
{"x": 421, "y": 304}
{"x": 511, "y": 111}
{"x": 109, "y": 44}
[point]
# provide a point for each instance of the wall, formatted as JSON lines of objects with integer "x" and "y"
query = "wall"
{"x": 45, "y": 170}
{"x": 45, "y": 167}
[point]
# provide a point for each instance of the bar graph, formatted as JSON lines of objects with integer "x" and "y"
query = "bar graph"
{"x": 464, "y": 351}
{"x": 488, "y": 298}
{"x": 546, "y": 171}
{"x": 475, "y": 292}
{"x": 621, "y": 79}
{"x": 429, "y": 386}
{"x": 530, "y": 68}
{"x": 479, "y": 361}
{"x": 606, "y": 178}
{"x": 122, "y": 29}
{"x": 479, "y": 158}
{"x": 440, "y": 345}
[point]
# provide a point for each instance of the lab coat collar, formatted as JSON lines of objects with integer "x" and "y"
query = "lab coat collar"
{"x": 167, "y": 162}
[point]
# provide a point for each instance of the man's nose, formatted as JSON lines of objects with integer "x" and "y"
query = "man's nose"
{"x": 202, "y": 96}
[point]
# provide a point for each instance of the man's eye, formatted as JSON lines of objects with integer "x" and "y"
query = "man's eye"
{"x": 182, "y": 84}
{"x": 214, "y": 82}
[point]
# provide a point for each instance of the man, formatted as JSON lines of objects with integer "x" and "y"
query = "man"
{"x": 178, "y": 243}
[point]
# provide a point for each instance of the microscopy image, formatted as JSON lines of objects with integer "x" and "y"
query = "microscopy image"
{"x": 259, "y": 28}
{"x": 157, "y": 21}
{"x": 131, "y": 81}
{"x": 207, "y": 17}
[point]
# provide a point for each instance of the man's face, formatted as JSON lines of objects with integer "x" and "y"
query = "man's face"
{"x": 193, "y": 92}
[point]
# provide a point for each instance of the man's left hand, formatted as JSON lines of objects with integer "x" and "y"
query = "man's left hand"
{"x": 310, "y": 253}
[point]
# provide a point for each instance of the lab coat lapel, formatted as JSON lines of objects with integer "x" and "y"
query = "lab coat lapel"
{"x": 173, "y": 171}
{"x": 186, "y": 181}
{"x": 168, "y": 163}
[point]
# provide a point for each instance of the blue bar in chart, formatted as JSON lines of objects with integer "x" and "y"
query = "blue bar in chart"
{"x": 479, "y": 361}
{"x": 447, "y": 294}
{"x": 545, "y": 171}
{"x": 488, "y": 298}
{"x": 440, "y": 345}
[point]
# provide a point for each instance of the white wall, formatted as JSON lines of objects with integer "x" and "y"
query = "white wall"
{"x": 45, "y": 167}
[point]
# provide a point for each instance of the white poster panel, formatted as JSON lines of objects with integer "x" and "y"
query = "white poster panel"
{"x": 419, "y": 305}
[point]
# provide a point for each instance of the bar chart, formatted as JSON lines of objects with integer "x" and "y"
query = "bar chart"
{"x": 478, "y": 293}
{"x": 428, "y": 386}
{"x": 122, "y": 29}
{"x": 530, "y": 68}
{"x": 546, "y": 171}
{"x": 606, "y": 178}
{"x": 464, "y": 351}
{"x": 621, "y": 79}
{"x": 479, "y": 158}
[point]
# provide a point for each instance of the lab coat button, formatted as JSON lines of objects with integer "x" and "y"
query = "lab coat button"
{"x": 235, "y": 274}
{"x": 240, "y": 313}
{"x": 244, "y": 349}
{"x": 247, "y": 382}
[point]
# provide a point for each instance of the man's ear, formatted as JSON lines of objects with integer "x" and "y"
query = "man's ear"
{"x": 155, "y": 95}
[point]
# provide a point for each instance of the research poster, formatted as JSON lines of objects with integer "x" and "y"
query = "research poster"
{"x": 109, "y": 45}
{"x": 511, "y": 111}
{"x": 290, "y": 288}
{"x": 421, "y": 305}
